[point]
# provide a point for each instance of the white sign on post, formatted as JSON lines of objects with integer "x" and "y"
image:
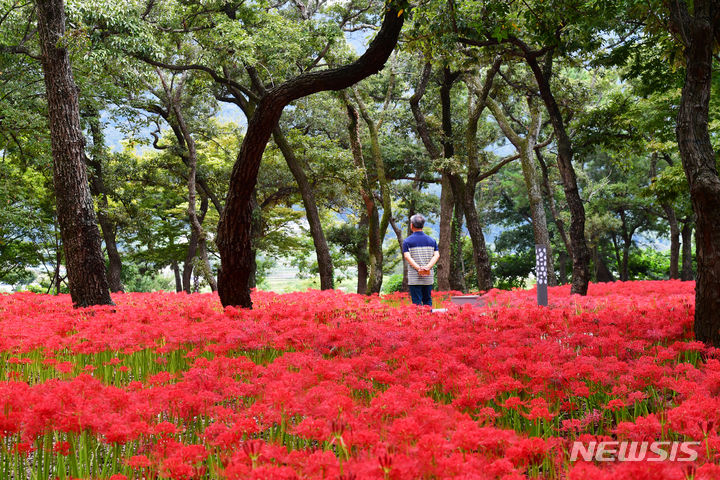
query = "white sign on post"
{"x": 541, "y": 274}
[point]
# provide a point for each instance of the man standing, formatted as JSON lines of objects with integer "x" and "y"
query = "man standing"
{"x": 421, "y": 253}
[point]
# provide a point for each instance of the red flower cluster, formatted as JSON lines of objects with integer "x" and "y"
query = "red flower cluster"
{"x": 330, "y": 385}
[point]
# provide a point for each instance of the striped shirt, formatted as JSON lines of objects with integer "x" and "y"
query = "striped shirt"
{"x": 421, "y": 248}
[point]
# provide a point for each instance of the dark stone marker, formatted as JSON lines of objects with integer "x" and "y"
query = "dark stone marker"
{"x": 541, "y": 274}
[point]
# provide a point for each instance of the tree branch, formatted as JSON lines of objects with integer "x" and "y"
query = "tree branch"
{"x": 202, "y": 68}
{"x": 421, "y": 123}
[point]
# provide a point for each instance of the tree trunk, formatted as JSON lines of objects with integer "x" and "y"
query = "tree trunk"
{"x": 58, "y": 263}
{"x": 322, "y": 251}
{"x": 446, "y": 211}
{"x": 477, "y": 100}
{"x": 362, "y": 279}
{"x": 480, "y": 253}
{"x": 456, "y": 274}
{"x": 256, "y": 231}
{"x": 204, "y": 265}
{"x": 687, "y": 263}
{"x": 198, "y": 233}
{"x": 375, "y": 238}
{"x": 579, "y": 250}
{"x": 204, "y": 262}
{"x": 193, "y": 251}
{"x": 563, "y": 258}
{"x": 699, "y": 33}
{"x": 594, "y": 258}
{"x": 178, "y": 278}
{"x": 234, "y": 232}
{"x": 408, "y": 231}
{"x": 624, "y": 274}
{"x": 75, "y": 211}
{"x": 526, "y": 147}
{"x": 674, "y": 240}
{"x": 537, "y": 211}
{"x": 99, "y": 190}
{"x": 457, "y": 270}
{"x": 446, "y": 196}
{"x": 400, "y": 239}
{"x": 375, "y": 273}
{"x": 602, "y": 272}
{"x": 376, "y": 269}
{"x": 189, "y": 264}
{"x": 559, "y": 224}
{"x": 200, "y": 181}
{"x": 626, "y": 235}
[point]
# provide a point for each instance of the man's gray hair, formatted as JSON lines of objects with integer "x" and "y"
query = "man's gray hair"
{"x": 417, "y": 221}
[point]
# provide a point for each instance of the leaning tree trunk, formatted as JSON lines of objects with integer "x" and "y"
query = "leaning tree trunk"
{"x": 195, "y": 250}
{"x": 322, "y": 251}
{"x": 699, "y": 34}
{"x": 686, "y": 273}
{"x": 580, "y": 253}
{"x": 99, "y": 190}
{"x": 385, "y": 196}
{"x": 234, "y": 232}
{"x": 76, "y": 215}
{"x": 374, "y": 239}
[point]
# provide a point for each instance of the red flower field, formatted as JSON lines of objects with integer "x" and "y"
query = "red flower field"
{"x": 336, "y": 386}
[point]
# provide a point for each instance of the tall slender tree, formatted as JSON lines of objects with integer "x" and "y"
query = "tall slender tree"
{"x": 76, "y": 215}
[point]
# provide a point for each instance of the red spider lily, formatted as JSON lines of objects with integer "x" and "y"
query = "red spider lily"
{"x": 138, "y": 461}
{"x": 177, "y": 385}
{"x": 62, "y": 448}
{"x": 386, "y": 462}
{"x": 252, "y": 449}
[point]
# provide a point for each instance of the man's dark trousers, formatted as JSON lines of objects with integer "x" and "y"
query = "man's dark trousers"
{"x": 420, "y": 294}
